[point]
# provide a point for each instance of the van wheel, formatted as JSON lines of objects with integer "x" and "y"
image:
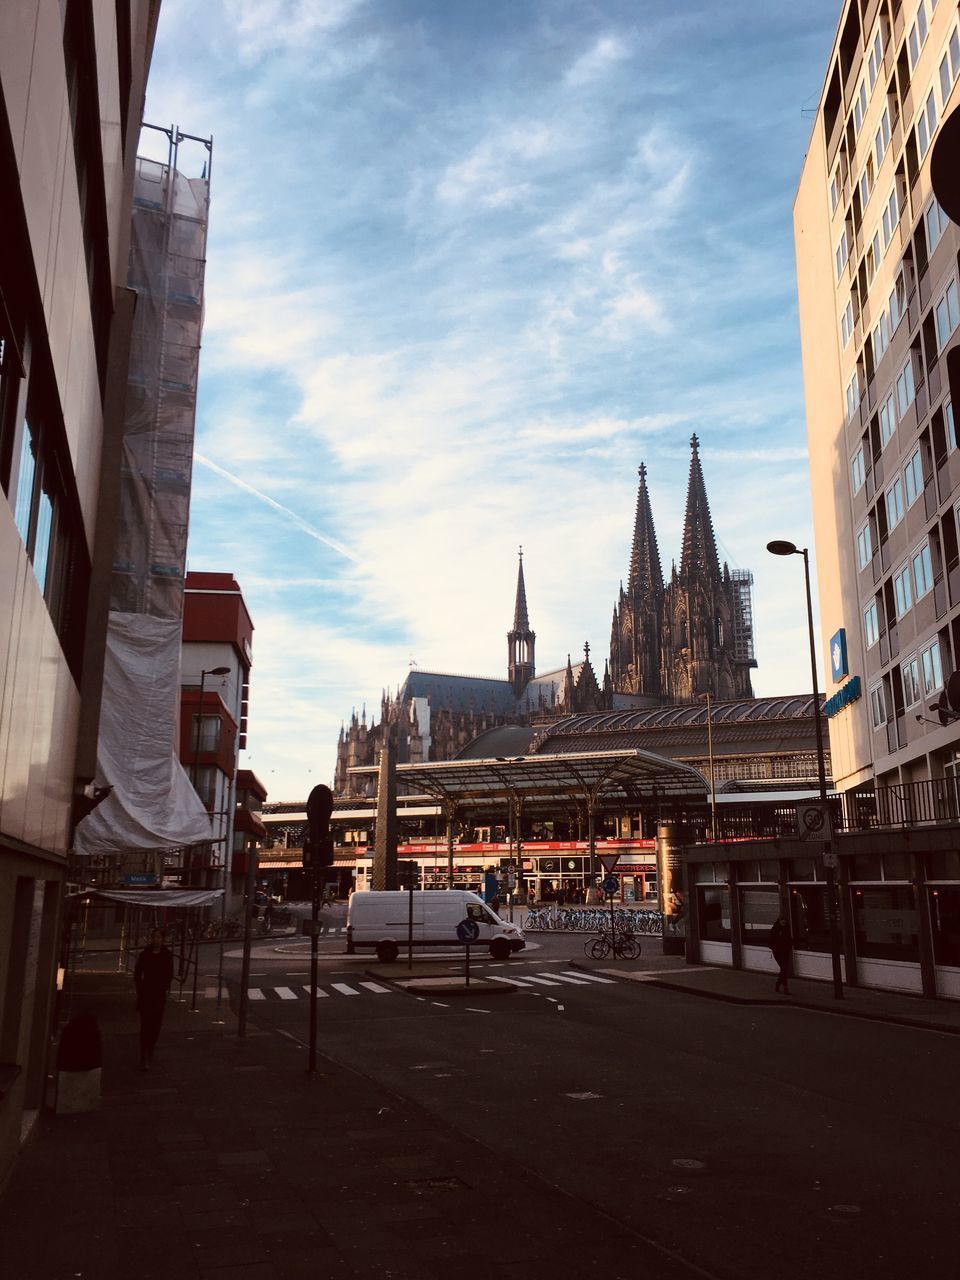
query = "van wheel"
{"x": 500, "y": 949}
{"x": 387, "y": 952}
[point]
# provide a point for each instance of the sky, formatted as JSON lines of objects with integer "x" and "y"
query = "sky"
{"x": 471, "y": 262}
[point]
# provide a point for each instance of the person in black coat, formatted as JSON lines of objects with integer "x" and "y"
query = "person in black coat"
{"x": 781, "y": 944}
{"x": 152, "y": 977}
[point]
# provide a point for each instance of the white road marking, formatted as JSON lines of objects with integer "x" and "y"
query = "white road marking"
{"x": 514, "y": 982}
{"x": 590, "y": 977}
{"x": 568, "y": 977}
{"x": 544, "y": 982}
{"x": 321, "y": 994}
{"x": 255, "y": 993}
{"x": 469, "y": 1010}
{"x": 344, "y": 989}
{"x": 376, "y": 987}
{"x": 285, "y": 993}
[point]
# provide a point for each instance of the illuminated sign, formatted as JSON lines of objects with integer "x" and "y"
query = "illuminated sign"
{"x": 850, "y": 692}
{"x": 838, "y": 656}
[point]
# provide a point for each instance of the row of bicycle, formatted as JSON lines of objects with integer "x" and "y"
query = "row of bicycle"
{"x": 592, "y": 920}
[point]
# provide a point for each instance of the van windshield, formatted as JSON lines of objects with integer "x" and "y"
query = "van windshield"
{"x": 482, "y": 915}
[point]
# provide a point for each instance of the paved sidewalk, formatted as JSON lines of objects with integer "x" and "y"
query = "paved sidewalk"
{"x": 228, "y": 1162}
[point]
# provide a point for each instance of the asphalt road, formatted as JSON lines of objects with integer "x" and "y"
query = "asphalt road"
{"x": 748, "y": 1141}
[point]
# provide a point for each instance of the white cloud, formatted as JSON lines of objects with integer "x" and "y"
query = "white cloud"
{"x": 591, "y": 65}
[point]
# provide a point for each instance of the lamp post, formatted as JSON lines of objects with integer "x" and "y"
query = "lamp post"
{"x": 204, "y": 672}
{"x": 708, "y": 698}
{"x": 782, "y": 548}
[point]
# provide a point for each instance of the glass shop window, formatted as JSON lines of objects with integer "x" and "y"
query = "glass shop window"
{"x": 886, "y": 922}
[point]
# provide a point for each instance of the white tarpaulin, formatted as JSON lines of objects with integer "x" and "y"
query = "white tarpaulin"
{"x": 153, "y": 804}
{"x": 161, "y": 897}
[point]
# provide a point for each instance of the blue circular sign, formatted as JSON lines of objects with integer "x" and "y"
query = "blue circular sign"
{"x": 468, "y": 931}
{"x": 611, "y": 884}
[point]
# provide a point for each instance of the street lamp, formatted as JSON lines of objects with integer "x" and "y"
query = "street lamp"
{"x": 708, "y": 698}
{"x": 782, "y": 548}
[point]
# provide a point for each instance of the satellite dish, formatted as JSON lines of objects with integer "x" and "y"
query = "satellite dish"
{"x": 952, "y": 691}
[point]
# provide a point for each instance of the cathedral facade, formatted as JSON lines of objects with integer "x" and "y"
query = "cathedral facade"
{"x": 670, "y": 643}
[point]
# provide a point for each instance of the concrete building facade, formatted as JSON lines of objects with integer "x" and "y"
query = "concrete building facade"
{"x": 879, "y": 310}
{"x": 72, "y": 81}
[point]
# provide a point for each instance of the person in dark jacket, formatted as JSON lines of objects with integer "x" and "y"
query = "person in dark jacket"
{"x": 781, "y": 944}
{"x": 152, "y": 977}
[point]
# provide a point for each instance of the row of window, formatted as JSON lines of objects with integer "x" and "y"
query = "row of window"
{"x": 911, "y": 582}
{"x": 921, "y": 676}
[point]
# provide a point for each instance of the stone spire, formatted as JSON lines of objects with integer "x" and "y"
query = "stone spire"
{"x": 646, "y": 575}
{"x": 521, "y": 641}
{"x": 699, "y": 554}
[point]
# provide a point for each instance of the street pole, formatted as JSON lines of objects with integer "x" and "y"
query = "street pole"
{"x": 317, "y": 841}
{"x": 783, "y": 548}
{"x": 247, "y": 937}
{"x": 713, "y": 784}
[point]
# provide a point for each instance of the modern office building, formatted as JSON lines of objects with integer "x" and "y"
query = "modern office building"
{"x": 72, "y": 80}
{"x": 879, "y": 309}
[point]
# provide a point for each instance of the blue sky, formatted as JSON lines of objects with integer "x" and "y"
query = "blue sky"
{"x": 470, "y": 263}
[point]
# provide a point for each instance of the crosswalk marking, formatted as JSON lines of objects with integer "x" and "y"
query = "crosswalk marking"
{"x": 320, "y": 991}
{"x": 344, "y": 989}
{"x": 256, "y": 994}
{"x": 285, "y": 993}
{"x": 376, "y": 988}
{"x": 543, "y": 982}
{"x": 590, "y": 977}
{"x": 568, "y": 977}
{"x": 514, "y": 982}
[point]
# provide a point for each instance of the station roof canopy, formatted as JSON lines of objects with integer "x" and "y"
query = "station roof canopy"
{"x": 629, "y": 777}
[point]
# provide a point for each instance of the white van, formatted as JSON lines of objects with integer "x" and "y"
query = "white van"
{"x": 380, "y": 919}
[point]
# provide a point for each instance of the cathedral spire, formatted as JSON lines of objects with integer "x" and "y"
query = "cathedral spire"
{"x": 521, "y": 641}
{"x": 646, "y": 575}
{"x": 520, "y": 620}
{"x": 699, "y": 554}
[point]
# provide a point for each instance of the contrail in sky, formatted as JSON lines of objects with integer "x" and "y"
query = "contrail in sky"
{"x": 278, "y": 506}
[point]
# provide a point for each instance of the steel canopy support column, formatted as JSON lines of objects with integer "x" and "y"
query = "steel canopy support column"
{"x": 450, "y": 813}
{"x": 593, "y": 896}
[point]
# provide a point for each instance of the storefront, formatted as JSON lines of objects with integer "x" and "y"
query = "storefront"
{"x": 897, "y": 904}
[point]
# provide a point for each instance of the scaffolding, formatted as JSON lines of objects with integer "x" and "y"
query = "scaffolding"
{"x": 743, "y": 651}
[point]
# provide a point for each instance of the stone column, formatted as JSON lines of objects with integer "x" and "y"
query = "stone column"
{"x": 385, "y": 847}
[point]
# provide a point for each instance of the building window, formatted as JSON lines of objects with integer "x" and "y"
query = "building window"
{"x": 888, "y": 421}
{"x": 846, "y": 324}
{"x": 842, "y": 254}
{"x": 859, "y": 108}
{"x": 857, "y": 472}
{"x": 853, "y": 396}
{"x": 873, "y": 257}
{"x": 206, "y": 734}
{"x": 913, "y": 478}
{"x": 917, "y": 36}
{"x": 864, "y": 546}
{"x": 922, "y": 570}
{"x": 935, "y": 221}
{"x": 927, "y": 124}
{"x": 949, "y": 429}
{"x": 886, "y": 922}
{"x": 905, "y": 388}
{"x": 878, "y": 706}
{"x": 949, "y": 67}
{"x": 903, "y": 596}
{"x": 875, "y": 60}
{"x": 947, "y": 315}
{"x": 910, "y": 678}
{"x": 898, "y": 300}
{"x": 931, "y": 669}
{"x": 835, "y": 186}
{"x": 882, "y": 140}
{"x": 891, "y": 216}
{"x": 881, "y": 338}
{"x": 871, "y": 624}
{"x": 894, "y": 501}
{"x": 865, "y": 185}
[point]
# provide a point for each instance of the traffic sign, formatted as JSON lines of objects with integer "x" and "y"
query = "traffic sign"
{"x": 608, "y": 861}
{"x": 468, "y": 931}
{"x": 611, "y": 885}
{"x": 813, "y": 822}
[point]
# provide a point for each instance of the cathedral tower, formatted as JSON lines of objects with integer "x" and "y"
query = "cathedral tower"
{"x": 521, "y": 641}
{"x": 635, "y": 635}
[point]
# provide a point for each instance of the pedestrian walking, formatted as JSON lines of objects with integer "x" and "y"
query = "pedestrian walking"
{"x": 152, "y": 977}
{"x": 781, "y": 944}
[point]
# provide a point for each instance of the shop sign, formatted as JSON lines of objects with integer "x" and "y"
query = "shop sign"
{"x": 838, "y": 656}
{"x": 850, "y": 692}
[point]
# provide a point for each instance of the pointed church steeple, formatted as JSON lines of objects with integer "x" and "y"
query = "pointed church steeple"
{"x": 521, "y": 641}
{"x": 646, "y": 575}
{"x": 699, "y": 554}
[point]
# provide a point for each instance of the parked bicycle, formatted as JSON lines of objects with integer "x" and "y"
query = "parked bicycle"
{"x": 623, "y": 945}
